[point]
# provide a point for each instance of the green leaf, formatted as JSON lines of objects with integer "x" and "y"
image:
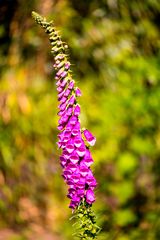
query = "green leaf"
{"x": 126, "y": 163}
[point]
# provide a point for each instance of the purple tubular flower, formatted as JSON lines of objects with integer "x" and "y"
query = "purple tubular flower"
{"x": 76, "y": 158}
{"x": 78, "y": 92}
{"x": 63, "y": 83}
{"x": 63, "y": 161}
{"x": 72, "y": 166}
{"x": 67, "y": 65}
{"x": 77, "y": 110}
{"x": 71, "y": 192}
{"x": 60, "y": 95}
{"x": 81, "y": 150}
{"x": 89, "y": 137}
{"x": 80, "y": 193}
{"x": 76, "y": 176}
{"x": 63, "y": 74}
{"x": 90, "y": 196}
{"x": 67, "y": 92}
{"x": 71, "y": 100}
{"x": 74, "y": 202}
{"x": 87, "y": 158}
{"x": 70, "y": 184}
{"x": 81, "y": 183}
{"x": 71, "y": 85}
{"x": 76, "y": 130}
{"x": 59, "y": 64}
{"x": 59, "y": 89}
{"x": 73, "y": 120}
{"x": 63, "y": 99}
{"x": 77, "y": 141}
{"x": 83, "y": 169}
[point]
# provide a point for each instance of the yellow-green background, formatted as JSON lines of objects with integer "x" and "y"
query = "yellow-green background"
{"x": 114, "y": 48}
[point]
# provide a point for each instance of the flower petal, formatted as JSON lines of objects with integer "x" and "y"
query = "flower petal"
{"x": 90, "y": 198}
{"x": 89, "y": 137}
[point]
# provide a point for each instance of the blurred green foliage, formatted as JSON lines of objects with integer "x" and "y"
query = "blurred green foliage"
{"x": 114, "y": 47}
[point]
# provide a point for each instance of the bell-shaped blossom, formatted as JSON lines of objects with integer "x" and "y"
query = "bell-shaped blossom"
{"x": 89, "y": 137}
{"x": 76, "y": 158}
{"x": 90, "y": 198}
{"x": 78, "y": 92}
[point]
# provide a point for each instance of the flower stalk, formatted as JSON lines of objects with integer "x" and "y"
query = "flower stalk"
{"x": 74, "y": 141}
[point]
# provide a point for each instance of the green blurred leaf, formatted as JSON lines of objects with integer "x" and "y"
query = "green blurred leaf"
{"x": 126, "y": 163}
{"x": 124, "y": 217}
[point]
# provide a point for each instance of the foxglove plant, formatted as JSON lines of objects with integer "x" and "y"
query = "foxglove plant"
{"x": 76, "y": 157}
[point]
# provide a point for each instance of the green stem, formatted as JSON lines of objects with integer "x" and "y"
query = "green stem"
{"x": 86, "y": 227}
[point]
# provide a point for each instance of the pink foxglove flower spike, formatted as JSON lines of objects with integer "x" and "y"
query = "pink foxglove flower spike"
{"x": 76, "y": 157}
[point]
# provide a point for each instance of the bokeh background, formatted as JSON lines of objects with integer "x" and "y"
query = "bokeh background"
{"x": 114, "y": 47}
